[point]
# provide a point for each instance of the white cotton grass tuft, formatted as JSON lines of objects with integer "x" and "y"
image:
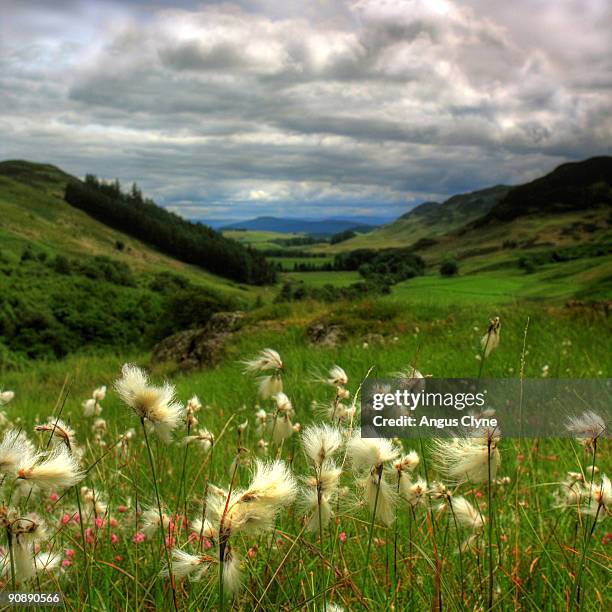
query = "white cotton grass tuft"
{"x": 320, "y": 490}
{"x": 89, "y": 407}
{"x": 151, "y": 521}
{"x": 185, "y": 565}
{"x": 415, "y": 493}
{"x": 203, "y": 439}
{"x": 282, "y": 427}
{"x": 15, "y": 449}
{"x": 61, "y": 433}
{"x": 254, "y": 509}
{"x": 232, "y": 576}
{"x": 6, "y": 397}
{"x": 407, "y": 463}
{"x": 316, "y": 518}
{"x": 93, "y": 504}
{"x": 261, "y": 421}
{"x": 410, "y": 379}
{"x": 191, "y": 409}
{"x": 92, "y": 406}
{"x": 320, "y": 442}
{"x": 268, "y": 359}
{"x": 600, "y": 503}
{"x": 57, "y": 469}
{"x": 26, "y": 533}
{"x": 46, "y": 561}
{"x": 380, "y": 496}
{"x": 465, "y": 514}
{"x": 587, "y": 427}
{"x": 100, "y": 393}
{"x": 466, "y": 459}
{"x": 337, "y": 377}
{"x": 490, "y": 340}
{"x": 203, "y": 529}
{"x": 154, "y": 405}
{"x": 269, "y": 386}
{"x": 370, "y": 452}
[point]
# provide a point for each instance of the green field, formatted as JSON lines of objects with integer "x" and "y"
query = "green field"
{"x": 260, "y": 239}
{"x": 531, "y": 538}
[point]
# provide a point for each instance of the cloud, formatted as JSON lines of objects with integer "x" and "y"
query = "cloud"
{"x": 356, "y": 107}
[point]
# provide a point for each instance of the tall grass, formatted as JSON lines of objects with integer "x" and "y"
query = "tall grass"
{"x": 524, "y": 560}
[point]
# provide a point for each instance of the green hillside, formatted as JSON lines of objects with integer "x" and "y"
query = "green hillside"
{"x": 70, "y": 283}
{"x": 34, "y": 213}
{"x": 429, "y": 220}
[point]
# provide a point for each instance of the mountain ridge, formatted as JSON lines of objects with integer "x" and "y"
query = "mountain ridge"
{"x": 286, "y": 225}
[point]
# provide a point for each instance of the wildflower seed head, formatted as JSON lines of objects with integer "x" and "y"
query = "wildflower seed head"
{"x": 56, "y": 470}
{"x": 466, "y": 459}
{"x": 15, "y": 449}
{"x": 185, "y": 565}
{"x": 587, "y": 427}
{"x": 407, "y": 463}
{"x": 466, "y": 514}
{"x": 254, "y": 509}
{"x": 6, "y": 397}
{"x": 268, "y": 359}
{"x": 320, "y": 442}
{"x": 337, "y": 377}
{"x": 157, "y": 405}
{"x": 269, "y": 386}
{"x": 490, "y": 340}
{"x": 232, "y": 576}
{"x": 370, "y": 452}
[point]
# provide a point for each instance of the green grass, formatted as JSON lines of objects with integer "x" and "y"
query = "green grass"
{"x": 260, "y": 239}
{"x": 319, "y": 279}
{"x": 534, "y": 543}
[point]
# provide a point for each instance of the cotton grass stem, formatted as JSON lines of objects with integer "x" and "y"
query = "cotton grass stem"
{"x": 9, "y": 540}
{"x": 587, "y": 537}
{"x": 364, "y": 583}
{"x": 450, "y": 503}
{"x": 84, "y": 545}
{"x": 321, "y": 536}
{"x": 161, "y": 514}
{"x": 489, "y": 528}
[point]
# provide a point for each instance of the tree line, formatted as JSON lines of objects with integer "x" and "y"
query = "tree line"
{"x": 189, "y": 242}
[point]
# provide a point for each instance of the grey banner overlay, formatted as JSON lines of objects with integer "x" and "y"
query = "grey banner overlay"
{"x": 435, "y": 407}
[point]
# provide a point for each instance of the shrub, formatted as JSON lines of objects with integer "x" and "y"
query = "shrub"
{"x": 449, "y": 267}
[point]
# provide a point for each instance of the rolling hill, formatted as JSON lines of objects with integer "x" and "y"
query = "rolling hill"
{"x": 34, "y": 213}
{"x": 569, "y": 205}
{"x": 428, "y": 220}
{"x": 70, "y": 283}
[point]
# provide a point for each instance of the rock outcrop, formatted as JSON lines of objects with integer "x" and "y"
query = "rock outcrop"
{"x": 323, "y": 334}
{"x": 198, "y": 348}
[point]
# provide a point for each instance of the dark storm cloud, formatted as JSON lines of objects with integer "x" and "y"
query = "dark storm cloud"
{"x": 352, "y": 107}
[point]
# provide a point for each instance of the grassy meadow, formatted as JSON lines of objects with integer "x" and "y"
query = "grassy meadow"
{"x": 139, "y": 497}
{"x": 539, "y": 545}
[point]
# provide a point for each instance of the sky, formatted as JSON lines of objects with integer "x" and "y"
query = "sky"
{"x": 318, "y": 108}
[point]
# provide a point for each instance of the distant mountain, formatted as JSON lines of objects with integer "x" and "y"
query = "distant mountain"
{"x": 323, "y": 227}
